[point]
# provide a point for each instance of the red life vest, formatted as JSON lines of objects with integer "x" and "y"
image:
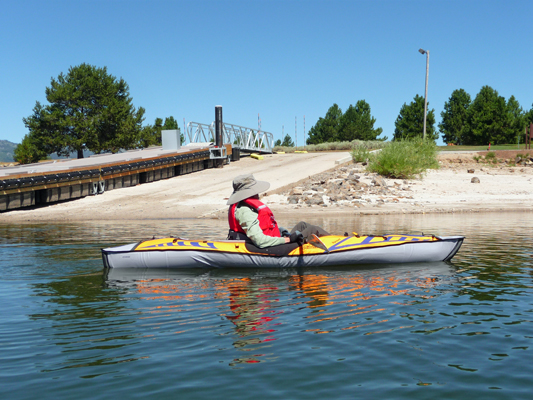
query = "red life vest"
{"x": 267, "y": 222}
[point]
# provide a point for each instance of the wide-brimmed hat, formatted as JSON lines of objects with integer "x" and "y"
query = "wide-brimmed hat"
{"x": 245, "y": 186}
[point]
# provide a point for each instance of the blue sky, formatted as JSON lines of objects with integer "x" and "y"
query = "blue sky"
{"x": 279, "y": 59}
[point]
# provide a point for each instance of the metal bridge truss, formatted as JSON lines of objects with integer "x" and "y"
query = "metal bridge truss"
{"x": 245, "y": 139}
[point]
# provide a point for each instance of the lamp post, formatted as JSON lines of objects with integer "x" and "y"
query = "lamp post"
{"x": 426, "y": 52}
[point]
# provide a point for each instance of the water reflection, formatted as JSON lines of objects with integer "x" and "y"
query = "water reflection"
{"x": 253, "y": 314}
{"x": 260, "y": 303}
{"x": 87, "y": 322}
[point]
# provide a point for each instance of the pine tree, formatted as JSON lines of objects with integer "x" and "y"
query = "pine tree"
{"x": 89, "y": 110}
{"x": 410, "y": 121}
{"x": 454, "y": 126}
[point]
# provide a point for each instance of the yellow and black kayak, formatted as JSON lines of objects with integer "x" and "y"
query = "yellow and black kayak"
{"x": 329, "y": 251}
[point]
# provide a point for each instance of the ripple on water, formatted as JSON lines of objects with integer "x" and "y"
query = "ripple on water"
{"x": 388, "y": 331}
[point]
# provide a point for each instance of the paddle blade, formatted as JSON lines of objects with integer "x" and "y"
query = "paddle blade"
{"x": 315, "y": 241}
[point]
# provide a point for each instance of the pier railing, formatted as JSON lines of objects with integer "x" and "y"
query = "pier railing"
{"x": 246, "y": 139}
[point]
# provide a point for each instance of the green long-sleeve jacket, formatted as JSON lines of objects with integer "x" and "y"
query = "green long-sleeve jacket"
{"x": 247, "y": 219}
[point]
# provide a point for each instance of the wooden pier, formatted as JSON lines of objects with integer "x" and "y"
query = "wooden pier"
{"x": 60, "y": 180}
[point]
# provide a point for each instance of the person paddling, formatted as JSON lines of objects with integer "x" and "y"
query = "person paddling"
{"x": 250, "y": 219}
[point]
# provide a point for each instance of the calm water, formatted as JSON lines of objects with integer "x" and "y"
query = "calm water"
{"x": 460, "y": 330}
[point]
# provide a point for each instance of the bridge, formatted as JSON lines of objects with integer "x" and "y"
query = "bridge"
{"x": 245, "y": 139}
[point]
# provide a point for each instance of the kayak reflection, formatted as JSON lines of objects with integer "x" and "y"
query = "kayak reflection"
{"x": 261, "y": 304}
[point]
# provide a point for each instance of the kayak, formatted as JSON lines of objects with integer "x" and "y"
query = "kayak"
{"x": 324, "y": 251}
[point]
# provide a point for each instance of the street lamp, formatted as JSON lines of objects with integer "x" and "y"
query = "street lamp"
{"x": 426, "y": 52}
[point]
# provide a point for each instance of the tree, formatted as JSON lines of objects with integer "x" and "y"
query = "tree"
{"x": 325, "y": 130}
{"x": 488, "y": 118}
{"x": 287, "y": 141}
{"x": 410, "y": 121}
{"x": 529, "y": 116}
{"x": 26, "y": 152}
{"x": 151, "y": 134}
{"x": 516, "y": 119}
{"x": 454, "y": 126}
{"x": 357, "y": 123}
{"x": 89, "y": 110}
{"x": 277, "y": 143}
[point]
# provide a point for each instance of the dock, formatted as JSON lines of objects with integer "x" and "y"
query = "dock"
{"x": 53, "y": 181}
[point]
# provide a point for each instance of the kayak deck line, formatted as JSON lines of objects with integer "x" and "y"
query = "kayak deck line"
{"x": 333, "y": 243}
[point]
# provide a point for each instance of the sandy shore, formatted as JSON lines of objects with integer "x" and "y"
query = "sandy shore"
{"x": 203, "y": 194}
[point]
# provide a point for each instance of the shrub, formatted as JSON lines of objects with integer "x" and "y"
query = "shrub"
{"x": 335, "y": 146}
{"x": 360, "y": 154}
{"x": 490, "y": 156}
{"x": 405, "y": 159}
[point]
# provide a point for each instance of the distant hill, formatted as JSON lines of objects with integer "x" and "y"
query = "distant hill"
{"x": 6, "y": 150}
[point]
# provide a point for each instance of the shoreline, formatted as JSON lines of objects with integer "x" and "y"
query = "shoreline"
{"x": 318, "y": 184}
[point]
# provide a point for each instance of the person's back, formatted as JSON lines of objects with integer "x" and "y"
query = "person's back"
{"x": 250, "y": 218}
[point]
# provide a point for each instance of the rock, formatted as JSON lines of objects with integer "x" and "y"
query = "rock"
{"x": 350, "y": 186}
{"x": 297, "y": 191}
{"x": 315, "y": 201}
{"x": 293, "y": 199}
{"x": 475, "y": 179}
{"x": 471, "y": 171}
{"x": 335, "y": 182}
{"x": 378, "y": 181}
{"x": 334, "y": 192}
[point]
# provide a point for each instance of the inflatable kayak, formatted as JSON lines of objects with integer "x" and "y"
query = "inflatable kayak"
{"x": 326, "y": 251}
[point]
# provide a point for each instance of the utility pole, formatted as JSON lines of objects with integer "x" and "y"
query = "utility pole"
{"x": 426, "y": 52}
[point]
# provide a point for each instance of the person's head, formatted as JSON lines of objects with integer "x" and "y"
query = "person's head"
{"x": 245, "y": 186}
